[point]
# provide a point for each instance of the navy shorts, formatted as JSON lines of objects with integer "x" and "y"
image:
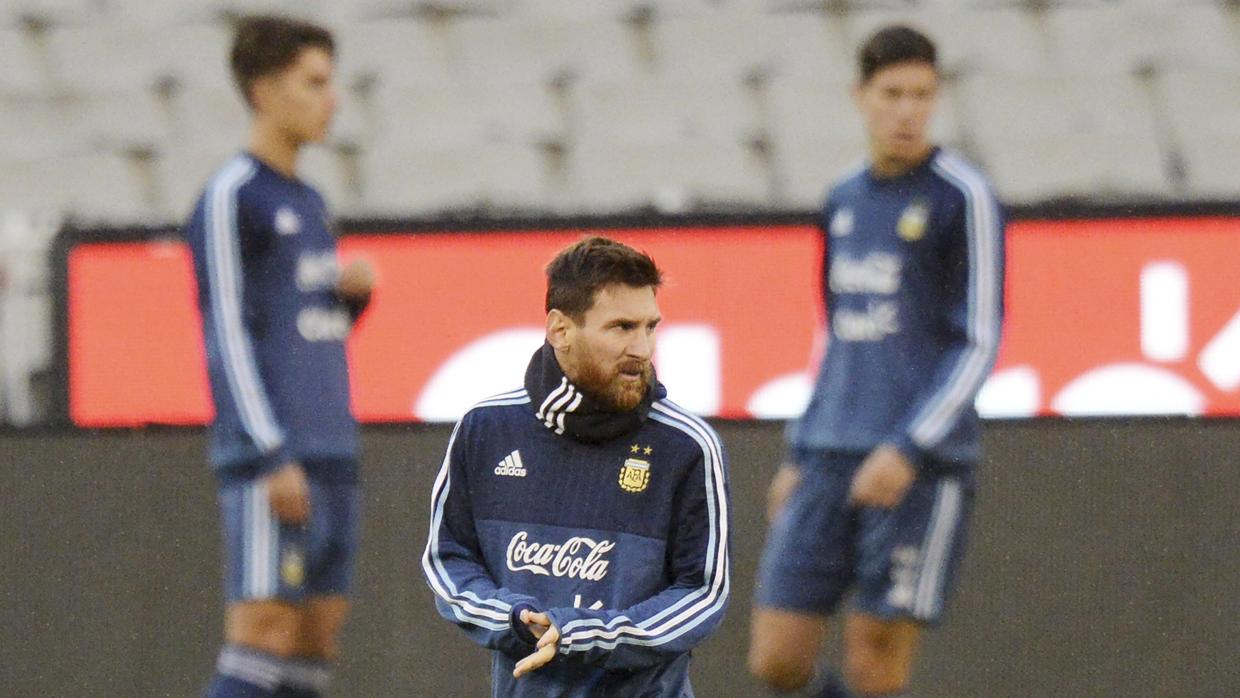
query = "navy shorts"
{"x": 265, "y": 559}
{"x": 901, "y": 561}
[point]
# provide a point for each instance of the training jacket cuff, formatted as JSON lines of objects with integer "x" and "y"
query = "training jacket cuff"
{"x": 559, "y": 618}
{"x": 270, "y": 462}
{"x": 356, "y": 307}
{"x": 917, "y": 456}
{"x": 518, "y": 628}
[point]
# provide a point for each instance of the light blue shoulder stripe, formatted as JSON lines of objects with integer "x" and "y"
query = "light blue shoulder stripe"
{"x": 224, "y": 268}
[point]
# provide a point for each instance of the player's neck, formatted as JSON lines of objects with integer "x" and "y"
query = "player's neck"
{"x": 887, "y": 167}
{"x": 274, "y": 148}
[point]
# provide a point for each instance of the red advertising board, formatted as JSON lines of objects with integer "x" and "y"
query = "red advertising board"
{"x": 1116, "y": 316}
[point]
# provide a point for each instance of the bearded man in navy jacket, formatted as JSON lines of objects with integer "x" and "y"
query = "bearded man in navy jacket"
{"x": 580, "y": 524}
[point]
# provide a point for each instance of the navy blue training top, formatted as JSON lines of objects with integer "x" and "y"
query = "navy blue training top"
{"x": 275, "y": 330}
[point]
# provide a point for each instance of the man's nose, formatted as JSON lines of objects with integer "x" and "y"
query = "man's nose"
{"x": 642, "y": 346}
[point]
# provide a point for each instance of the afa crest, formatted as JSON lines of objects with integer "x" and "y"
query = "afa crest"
{"x": 842, "y": 223}
{"x": 293, "y": 568}
{"x": 287, "y": 222}
{"x": 912, "y": 224}
{"x": 634, "y": 475}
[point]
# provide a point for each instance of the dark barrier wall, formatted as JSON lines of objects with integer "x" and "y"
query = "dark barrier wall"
{"x": 1105, "y": 561}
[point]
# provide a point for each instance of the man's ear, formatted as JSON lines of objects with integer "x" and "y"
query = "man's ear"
{"x": 261, "y": 92}
{"x": 560, "y": 330}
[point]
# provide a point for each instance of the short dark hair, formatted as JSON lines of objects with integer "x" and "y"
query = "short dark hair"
{"x": 894, "y": 44}
{"x": 581, "y": 269}
{"x": 267, "y": 44}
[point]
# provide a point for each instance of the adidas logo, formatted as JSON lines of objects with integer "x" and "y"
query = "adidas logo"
{"x": 511, "y": 466}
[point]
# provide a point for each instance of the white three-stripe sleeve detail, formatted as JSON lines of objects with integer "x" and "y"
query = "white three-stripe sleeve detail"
{"x": 983, "y": 310}
{"x": 491, "y": 614}
{"x": 224, "y": 268}
{"x": 698, "y": 605}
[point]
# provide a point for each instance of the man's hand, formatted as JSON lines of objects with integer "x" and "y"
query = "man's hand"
{"x": 883, "y": 479}
{"x": 288, "y": 492}
{"x": 782, "y": 486}
{"x": 356, "y": 282}
{"x": 548, "y": 642}
{"x": 537, "y": 623}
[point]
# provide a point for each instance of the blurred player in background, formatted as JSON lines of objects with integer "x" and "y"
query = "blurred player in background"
{"x": 580, "y": 525}
{"x": 276, "y": 311}
{"x": 877, "y": 491}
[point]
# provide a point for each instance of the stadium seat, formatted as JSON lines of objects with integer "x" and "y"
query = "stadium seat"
{"x": 1201, "y": 109}
{"x": 1003, "y": 108}
{"x": 51, "y": 11}
{"x": 1122, "y": 38}
{"x": 1202, "y": 102}
{"x": 181, "y": 172}
{"x": 128, "y": 56}
{"x": 392, "y": 52}
{"x": 543, "y": 49}
{"x": 737, "y": 46}
{"x": 661, "y": 111}
{"x": 1055, "y": 136}
{"x": 19, "y": 67}
{"x": 668, "y": 9}
{"x": 1077, "y": 166}
{"x": 802, "y": 110}
{"x": 970, "y": 40}
{"x": 425, "y": 181}
{"x": 212, "y": 117}
{"x": 576, "y": 9}
{"x": 381, "y": 8}
{"x": 954, "y": 5}
{"x": 37, "y": 126}
{"x": 1210, "y": 165}
{"x": 461, "y": 114}
{"x": 173, "y": 12}
{"x": 663, "y": 9}
{"x": 805, "y": 169}
{"x": 674, "y": 176}
{"x": 324, "y": 168}
{"x": 93, "y": 187}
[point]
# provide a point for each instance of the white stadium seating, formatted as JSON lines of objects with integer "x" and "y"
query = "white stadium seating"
{"x": 93, "y": 187}
{"x": 524, "y": 49}
{"x": 428, "y": 181}
{"x": 736, "y": 47}
{"x": 673, "y": 177}
{"x": 1120, "y": 38}
{"x": 1202, "y": 102}
{"x": 120, "y": 55}
{"x": 33, "y": 125}
{"x": 1051, "y": 137}
{"x": 664, "y": 111}
{"x": 463, "y": 113}
{"x": 600, "y": 106}
{"x": 392, "y": 52}
{"x": 19, "y": 69}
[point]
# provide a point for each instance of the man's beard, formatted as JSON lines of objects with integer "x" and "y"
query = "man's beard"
{"x": 608, "y": 388}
